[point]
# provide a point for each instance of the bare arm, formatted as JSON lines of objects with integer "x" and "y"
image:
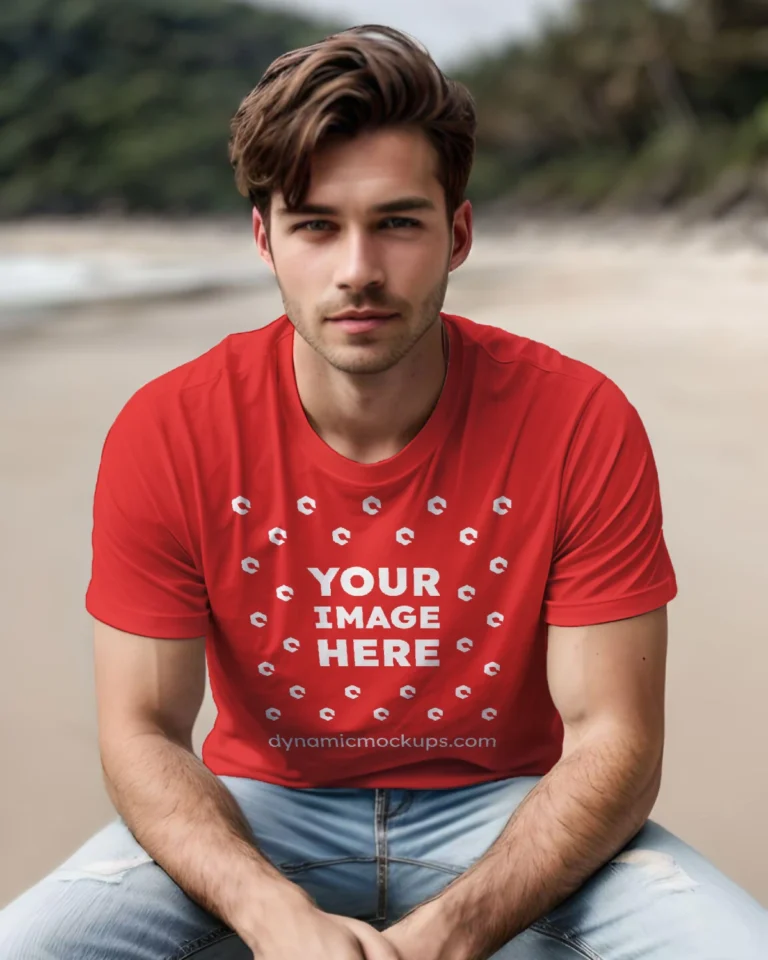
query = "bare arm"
{"x": 149, "y": 694}
{"x": 607, "y": 682}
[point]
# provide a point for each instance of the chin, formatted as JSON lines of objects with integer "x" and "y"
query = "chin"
{"x": 362, "y": 360}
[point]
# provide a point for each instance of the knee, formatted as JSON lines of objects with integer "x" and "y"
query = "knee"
{"x": 63, "y": 917}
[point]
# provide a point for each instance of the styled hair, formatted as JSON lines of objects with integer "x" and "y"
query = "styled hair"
{"x": 366, "y": 78}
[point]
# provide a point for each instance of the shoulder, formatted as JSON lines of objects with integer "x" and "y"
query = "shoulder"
{"x": 195, "y": 390}
{"x": 505, "y": 366}
{"x": 500, "y": 349}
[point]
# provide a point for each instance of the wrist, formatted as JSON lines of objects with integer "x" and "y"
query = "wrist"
{"x": 268, "y": 903}
{"x": 431, "y": 931}
{"x": 448, "y": 920}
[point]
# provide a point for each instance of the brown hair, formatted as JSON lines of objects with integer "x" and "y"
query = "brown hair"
{"x": 362, "y": 79}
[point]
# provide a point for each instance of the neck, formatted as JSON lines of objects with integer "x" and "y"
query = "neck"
{"x": 371, "y": 417}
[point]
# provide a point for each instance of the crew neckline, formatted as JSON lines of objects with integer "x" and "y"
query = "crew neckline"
{"x": 429, "y": 437}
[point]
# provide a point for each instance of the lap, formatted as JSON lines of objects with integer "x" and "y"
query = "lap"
{"x": 658, "y": 899}
{"x": 375, "y": 855}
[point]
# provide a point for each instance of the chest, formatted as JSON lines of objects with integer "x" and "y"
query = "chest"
{"x": 380, "y": 574}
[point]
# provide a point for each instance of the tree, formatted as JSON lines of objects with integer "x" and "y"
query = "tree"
{"x": 637, "y": 102}
{"x": 107, "y": 104}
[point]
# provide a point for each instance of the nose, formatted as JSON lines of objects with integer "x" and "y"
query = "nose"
{"x": 359, "y": 266}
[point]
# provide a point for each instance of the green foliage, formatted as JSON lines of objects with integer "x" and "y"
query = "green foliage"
{"x": 125, "y": 104}
{"x": 627, "y": 104}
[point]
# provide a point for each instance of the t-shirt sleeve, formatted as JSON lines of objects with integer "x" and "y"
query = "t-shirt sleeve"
{"x": 144, "y": 579}
{"x": 610, "y": 560}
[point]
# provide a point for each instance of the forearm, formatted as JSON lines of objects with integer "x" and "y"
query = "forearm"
{"x": 579, "y": 816}
{"x": 190, "y": 824}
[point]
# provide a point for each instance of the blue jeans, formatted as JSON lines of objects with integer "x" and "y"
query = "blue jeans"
{"x": 375, "y": 854}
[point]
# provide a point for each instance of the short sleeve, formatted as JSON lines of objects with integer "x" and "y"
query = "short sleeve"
{"x": 143, "y": 579}
{"x": 610, "y": 560}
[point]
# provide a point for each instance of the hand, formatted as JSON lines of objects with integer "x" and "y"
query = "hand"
{"x": 308, "y": 933}
{"x": 375, "y": 945}
{"x": 425, "y": 934}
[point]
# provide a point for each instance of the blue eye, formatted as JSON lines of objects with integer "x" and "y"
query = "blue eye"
{"x": 307, "y": 225}
{"x": 323, "y": 226}
{"x": 402, "y": 222}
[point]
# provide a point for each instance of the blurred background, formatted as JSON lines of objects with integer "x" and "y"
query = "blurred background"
{"x": 621, "y": 196}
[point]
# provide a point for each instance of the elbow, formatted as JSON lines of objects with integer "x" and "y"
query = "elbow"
{"x": 632, "y": 758}
{"x": 651, "y": 793}
{"x": 641, "y": 768}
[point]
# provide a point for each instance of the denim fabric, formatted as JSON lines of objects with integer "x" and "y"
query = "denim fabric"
{"x": 374, "y": 854}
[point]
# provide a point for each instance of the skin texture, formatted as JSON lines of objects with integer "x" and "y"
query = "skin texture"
{"x": 149, "y": 693}
{"x": 367, "y": 394}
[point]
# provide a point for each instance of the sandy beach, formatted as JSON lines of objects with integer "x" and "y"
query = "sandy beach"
{"x": 678, "y": 319}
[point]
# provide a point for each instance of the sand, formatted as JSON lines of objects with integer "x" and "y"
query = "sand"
{"x": 678, "y": 319}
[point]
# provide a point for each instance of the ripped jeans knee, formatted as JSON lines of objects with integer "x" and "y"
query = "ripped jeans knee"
{"x": 105, "y": 871}
{"x": 108, "y": 901}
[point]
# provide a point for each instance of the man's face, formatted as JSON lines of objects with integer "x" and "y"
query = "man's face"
{"x": 363, "y": 265}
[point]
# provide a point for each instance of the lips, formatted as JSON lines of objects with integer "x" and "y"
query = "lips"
{"x": 363, "y": 322}
{"x": 363, "y": 325}
{"x": 361, "y": 316}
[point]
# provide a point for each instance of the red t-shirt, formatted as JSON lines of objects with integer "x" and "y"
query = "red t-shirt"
{"x": 378, "y": 625}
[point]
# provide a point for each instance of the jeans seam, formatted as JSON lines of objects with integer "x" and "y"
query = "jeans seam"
{"x": 429, "y": 864}
{"x": 192, "y": 947}
{"x": 311, "y": 864}
{"x": 546, "y": 929}
{"x": 380, "y": 837}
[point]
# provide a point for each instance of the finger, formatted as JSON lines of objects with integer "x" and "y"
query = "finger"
{"x": 375, "y": 946}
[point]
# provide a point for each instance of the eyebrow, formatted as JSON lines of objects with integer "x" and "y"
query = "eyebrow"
{"x": 401, "y": 205}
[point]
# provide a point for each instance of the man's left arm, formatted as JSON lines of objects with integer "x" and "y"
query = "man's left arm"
{"x": 607, "y": 682}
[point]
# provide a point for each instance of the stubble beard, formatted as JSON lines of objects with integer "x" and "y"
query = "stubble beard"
{"x": 356, "y": 359}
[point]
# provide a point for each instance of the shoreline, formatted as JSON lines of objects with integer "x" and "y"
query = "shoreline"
{"x": 49, "y": 265}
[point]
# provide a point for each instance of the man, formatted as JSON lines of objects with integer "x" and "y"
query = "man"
{"x": 425, "y": 561}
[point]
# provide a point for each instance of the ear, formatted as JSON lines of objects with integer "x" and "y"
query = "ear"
{"x": 261, "y": 236}
{"x": 462, "y": 235}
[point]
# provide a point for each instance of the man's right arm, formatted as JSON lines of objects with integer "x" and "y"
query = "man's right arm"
{"x": 149, "y": 694}
{"x": 150, "y": 691}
